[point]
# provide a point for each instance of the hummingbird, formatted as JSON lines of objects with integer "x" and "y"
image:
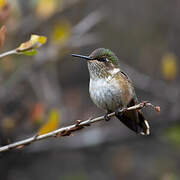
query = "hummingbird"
{"x": 112, "y": 90}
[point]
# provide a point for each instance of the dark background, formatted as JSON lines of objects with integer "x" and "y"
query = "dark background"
{"x": 145, "y": 35}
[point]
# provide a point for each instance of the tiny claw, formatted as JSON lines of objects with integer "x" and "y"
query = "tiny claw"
{"x": 118, "y": 112}
{"x": 124, "y": 110}
{"x": 106, "y": 117}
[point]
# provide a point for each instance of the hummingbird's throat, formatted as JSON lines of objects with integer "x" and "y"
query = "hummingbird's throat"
{"x": 101, "y": 70}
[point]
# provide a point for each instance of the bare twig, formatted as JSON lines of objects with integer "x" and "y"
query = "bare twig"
{"x": 14, "y": 51}
{"x": 66, "y": 131}
{"x": 8, "y": 53}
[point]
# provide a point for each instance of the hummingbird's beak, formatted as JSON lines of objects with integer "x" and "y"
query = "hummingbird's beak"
{"x": 83, "y": 57}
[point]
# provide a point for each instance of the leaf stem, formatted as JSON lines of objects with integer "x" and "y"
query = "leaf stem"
{"x": 8, "y": 53}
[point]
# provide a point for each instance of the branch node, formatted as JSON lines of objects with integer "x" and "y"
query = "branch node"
{"x": 65, "y": 133}
{"x": 78, "y": 122}
{"x": 88, "y": 122}
{"x": 35, "y": 136}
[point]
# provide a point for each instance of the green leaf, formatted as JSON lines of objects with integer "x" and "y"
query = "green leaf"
{"x": 30, "y": 53}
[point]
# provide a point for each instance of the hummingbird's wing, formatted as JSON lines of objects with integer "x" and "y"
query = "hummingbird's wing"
{"x": 135, "y": 119}
{"x": 127, "y": 77}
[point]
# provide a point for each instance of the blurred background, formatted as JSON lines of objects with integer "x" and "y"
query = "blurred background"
{"x": 50, "y": 89}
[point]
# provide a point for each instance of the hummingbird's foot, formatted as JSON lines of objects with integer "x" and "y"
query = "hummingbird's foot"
{"x": 120, "y": 112}
{"x": 106, "y": 117}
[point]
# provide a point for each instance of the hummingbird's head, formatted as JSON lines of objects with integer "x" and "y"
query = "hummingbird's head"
{"x": 104, "y": 55}
{"x": 101, "y": 62}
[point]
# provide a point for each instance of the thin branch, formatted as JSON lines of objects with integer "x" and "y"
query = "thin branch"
{"x": 66, "y": 131}
{"x": 8, "y": 53}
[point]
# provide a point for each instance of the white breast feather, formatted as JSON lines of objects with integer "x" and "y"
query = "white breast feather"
{"x": 105, "y": 94}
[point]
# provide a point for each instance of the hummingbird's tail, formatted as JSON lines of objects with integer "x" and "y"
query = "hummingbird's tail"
{"x": 135, "y": 121}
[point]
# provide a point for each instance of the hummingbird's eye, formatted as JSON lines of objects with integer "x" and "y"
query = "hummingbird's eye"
{"x": 103, "y": 59}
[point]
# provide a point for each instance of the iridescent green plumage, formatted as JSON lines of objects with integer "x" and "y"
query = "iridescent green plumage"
{"x": 106, "y": 53}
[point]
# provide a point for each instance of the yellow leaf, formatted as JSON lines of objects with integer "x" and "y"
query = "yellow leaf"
{"x": 37, "y": 41}
{"x": 34, "y": 42}
{"x": 2, "y": 3}
{"x": 52, "y": 123}
{"x": 61, "y": 32}
{"x": 169, "y": 66}
{"x": 42, "y": 39}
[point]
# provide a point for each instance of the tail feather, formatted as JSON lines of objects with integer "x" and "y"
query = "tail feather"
{"x": 143, "y": 123}
{"x": 135, "y": 121}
